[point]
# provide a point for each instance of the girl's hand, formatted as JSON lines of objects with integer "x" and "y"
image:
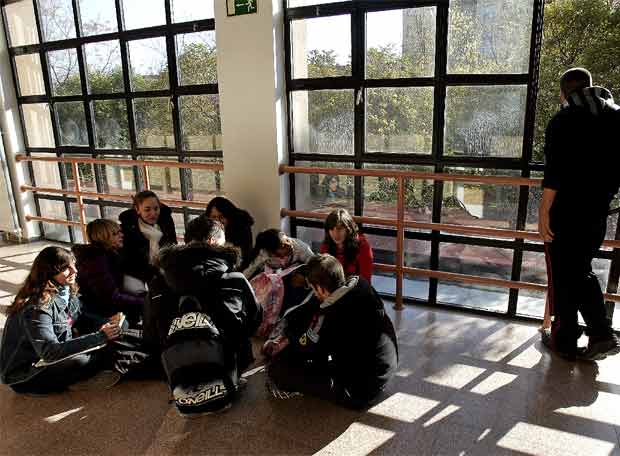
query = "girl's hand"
{"x": 111, "y": 331}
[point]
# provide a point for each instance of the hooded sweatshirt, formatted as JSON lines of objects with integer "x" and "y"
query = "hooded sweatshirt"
{"x": 582, "y": 159}
{"x": 206, "y": 272}
{"x": 351, "y": 331}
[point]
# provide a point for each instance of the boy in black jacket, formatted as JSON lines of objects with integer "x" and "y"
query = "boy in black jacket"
{"x": 338, "y": 344}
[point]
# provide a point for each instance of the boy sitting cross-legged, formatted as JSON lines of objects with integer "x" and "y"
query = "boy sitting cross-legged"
{"x": 338, "y": 344}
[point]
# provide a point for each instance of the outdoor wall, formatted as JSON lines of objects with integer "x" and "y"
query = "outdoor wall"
{"x": 251, "y": 80}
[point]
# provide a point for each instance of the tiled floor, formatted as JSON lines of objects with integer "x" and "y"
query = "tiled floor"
{"x": 466, "y": 385}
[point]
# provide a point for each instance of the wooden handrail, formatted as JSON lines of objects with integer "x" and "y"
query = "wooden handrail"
{"x": 123, "y": 162}
{"x": 431, "y": 226}
{"x": 111, "y": 196}
{"x": 370, "y": 172}
{"x": 35, "y": 218}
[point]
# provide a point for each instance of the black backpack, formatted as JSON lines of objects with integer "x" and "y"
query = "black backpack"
{"x": 201, "y": 370}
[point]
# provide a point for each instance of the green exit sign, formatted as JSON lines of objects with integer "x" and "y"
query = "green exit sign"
{"x": 239, "y": 7}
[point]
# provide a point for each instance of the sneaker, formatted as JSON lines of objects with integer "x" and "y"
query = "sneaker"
{"x": 242, "y": 385}
{"x": 547, "y": 340}
{"x": 278, "y": 393}
{"x": 600, "y": 349}
{"x": 206, "y": 413}
{"x": 102, "y": 380}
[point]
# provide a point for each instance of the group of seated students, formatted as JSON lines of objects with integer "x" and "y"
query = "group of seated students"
{"x": 197, "y": 305}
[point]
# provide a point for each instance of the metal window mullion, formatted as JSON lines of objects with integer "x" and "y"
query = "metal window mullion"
{"x": 358, "y": 51}
{"x": 288, "y": 78}
{"x": 439, "y": 106}
{"x": 185, "y": 175}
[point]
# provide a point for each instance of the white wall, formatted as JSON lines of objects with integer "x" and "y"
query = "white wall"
{"x": 250, "y": 58}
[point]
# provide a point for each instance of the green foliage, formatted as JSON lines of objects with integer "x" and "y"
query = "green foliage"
{"x": 576, "y": 33}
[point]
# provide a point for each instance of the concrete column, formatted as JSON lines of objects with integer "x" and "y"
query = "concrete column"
{"x": 13, "y": 141}
{"x": 251, "y": 77}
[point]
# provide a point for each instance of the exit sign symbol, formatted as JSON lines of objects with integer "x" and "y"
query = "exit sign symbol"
{"x": 239, "y": 7}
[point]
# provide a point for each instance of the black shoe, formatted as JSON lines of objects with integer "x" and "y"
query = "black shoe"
{"x": 548, "y": 342}
{"x": 599, "y": 349}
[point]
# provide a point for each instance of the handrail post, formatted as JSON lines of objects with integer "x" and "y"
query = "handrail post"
{"x": 400, "y": 243}
{"x": 79, "y": 198}
{"x": 147, "y": 181}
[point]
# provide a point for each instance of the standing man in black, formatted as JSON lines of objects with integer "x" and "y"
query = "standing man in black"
{"x": 582, "y": 175}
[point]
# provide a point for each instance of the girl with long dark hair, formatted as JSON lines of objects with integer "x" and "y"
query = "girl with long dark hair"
{"x": 237, "y": 224}
{"x": 40, "y": 353}
{"x": 147, "y": 227}
{"x": 344, "y": 241}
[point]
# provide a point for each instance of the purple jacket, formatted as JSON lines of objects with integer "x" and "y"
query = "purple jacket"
{"x": 100, "y": 278}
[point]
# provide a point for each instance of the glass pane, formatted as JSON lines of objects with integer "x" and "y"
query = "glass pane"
{"x": 400, "y": 120}
{"x": 400, "y": 43}
{"x": 153, "y": 122}
{"x": 471, "y": 295}
{"x": 64, "y": 72}
{"x": 191, "y": 10}
{"x": 475, "y": 260}
{"x": 323, "y": 121}
{"x": 135, "y": 16}
{"x": 321, "y": 47}
{"x": 112, "y": 212}
{"x": 104, "y": 68}
{"x": 204, "y": 184}
{"x": 148, "y": 63}
{"x": 119, "y": 179}
{"x": 179, "y": 224}
{"x": 57, "y": 21}
{"x": 56, "y": 210}
{"x": 485, "y": 121}
{"x": 46, "y": 174}
{"x": 197, "y": 58}
{"x": 98, "y": 16}
{"x": 111, "y": 127}
{"x": 21, "y": 23}
{"x": 91, "y": 211}
{"x": 381, "y": 194}
{"x": 166, "y": 182}
{"x": 72, "y": 123}
{"x": 484, "y": 205}
{"x": 86, "y": 173}
{"x": 38, "y": 124}
{"x": 200, "y": 122}
{"x": 29, "y": 74}
{"x": 489, "y": 37}
{"x": 295, "y": 3}
{"x": 321, "y": 192}
{"x": 534, "y": 198}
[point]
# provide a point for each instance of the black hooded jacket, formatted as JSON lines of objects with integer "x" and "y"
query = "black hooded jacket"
{"x": 203, "y": 271}
{"x": 352, "y": 329}
{"x": 582, "y": 160}
{"x": 135, "y": 251}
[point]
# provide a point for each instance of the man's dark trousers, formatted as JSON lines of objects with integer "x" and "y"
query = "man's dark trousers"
{"x": 575, "y": 286}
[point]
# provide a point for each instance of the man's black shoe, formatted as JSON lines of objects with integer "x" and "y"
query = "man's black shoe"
{"x": 548, "y": 342}
{"x": 599, "y": 349}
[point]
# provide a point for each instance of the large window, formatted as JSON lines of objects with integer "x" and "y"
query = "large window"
{"x": 116, "y": 79}
{"x": 438, "y": 86}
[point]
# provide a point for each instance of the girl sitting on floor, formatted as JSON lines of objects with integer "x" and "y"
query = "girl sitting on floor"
{"x": 40, "y": 353}
{"x": 100, "y": 275}
{"x": 344, "y": 241}
{"x": 237, "y": 223}
{"x": 272, "y": 274}
{"x": 147, "y": 227}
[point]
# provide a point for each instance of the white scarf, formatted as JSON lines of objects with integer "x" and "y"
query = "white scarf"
{"x": 153, "y": 234}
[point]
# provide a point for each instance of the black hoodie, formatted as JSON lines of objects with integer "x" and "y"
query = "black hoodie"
{"x": 203, "y": 271}
{"x": 135, "y": 251}
{"x": 582, "y": 159}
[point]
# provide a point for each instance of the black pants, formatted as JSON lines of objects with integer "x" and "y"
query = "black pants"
{"x": 58, "y": 377}
{"x": 290, "y": 371}
{"x": 575, "y": 288}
